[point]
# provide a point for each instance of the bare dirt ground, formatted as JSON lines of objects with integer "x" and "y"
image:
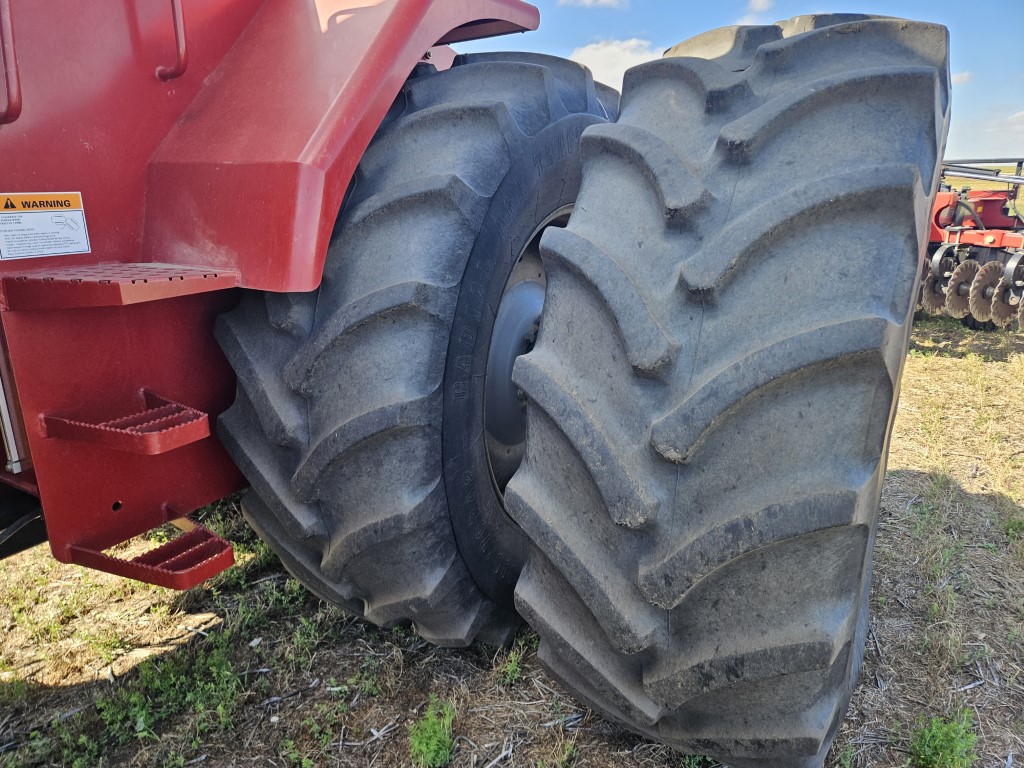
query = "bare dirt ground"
{"x": 251, "y": 670}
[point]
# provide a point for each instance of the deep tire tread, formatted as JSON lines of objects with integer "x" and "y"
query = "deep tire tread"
{"x": 338, "y": 414}
{"x": 738, "y": 655}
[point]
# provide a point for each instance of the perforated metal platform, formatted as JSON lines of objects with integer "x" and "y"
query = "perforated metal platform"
{"x": 108, "y": 285}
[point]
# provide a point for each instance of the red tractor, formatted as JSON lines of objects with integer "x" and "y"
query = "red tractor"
{"x": 976, "y": 267}
{"x": 484, "y": 341}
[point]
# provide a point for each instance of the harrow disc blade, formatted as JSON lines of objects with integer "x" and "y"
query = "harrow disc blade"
{"x": 1003, "y": 312}
{"x": 983, "y": 290}
{"x": 932, "y": 297}
{"x": 959, "y": 287}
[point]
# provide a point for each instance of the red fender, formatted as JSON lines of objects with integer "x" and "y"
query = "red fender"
{"x": 252, "y": 176}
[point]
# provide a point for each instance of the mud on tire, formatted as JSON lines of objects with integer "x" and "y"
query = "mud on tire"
{"x": 337, "y": 422}
{"x": 712, "y": 392}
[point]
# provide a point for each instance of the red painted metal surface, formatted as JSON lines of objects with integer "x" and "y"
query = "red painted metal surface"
{"x": 179, "y": 564}
{"x": 241, "y": 163}
{"x": 23, "y": 481}
{"x": 991, "y": 207}
{"x": 181, "y": 45}
{"x": 95, "y": 111}
{"x": 251, "y": 178}
{"x": 157, "y": 425}
{"x": 223, "y": 169}
{"x": 107, "y": 285}
{"x": 88, "y": 365}
{"x": 969, "y": 233}
{"x": 9, "y": 64}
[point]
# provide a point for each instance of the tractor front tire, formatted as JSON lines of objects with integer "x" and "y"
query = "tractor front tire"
{"x": 712, "y": 393}
{"x": 350, "y": 420}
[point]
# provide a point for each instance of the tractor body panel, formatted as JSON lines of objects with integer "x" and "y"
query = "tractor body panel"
{"x": 94, "y": 111}
{"x": 261, "y": 159}
{"x": 212, "y": 143}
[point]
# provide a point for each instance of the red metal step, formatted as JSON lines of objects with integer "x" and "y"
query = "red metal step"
{"x": 108, "y": 285}
{"x": 160, "y": 426}
{"x": 181, "y": 563}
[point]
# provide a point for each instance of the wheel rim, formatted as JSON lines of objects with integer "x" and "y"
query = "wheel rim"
{"x": 516, "y": 324}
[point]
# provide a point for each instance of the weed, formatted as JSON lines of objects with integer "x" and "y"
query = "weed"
{"x": 205, "y": 683}
{"x": 697, "y": 761}
{"x": 948, "y": 556}
{"x": 324, "y": 724}
{"x": 976, "y": 652}
{"x": 288, "y": 595}
{"x": 107, "y": 644}
{"x": 532, "y": 642}
{"x": 570, "y": 755}
{"x": 943, "y": 743}
{"x": 430, "y": 738}
{"x": 366, "y": 681}
{"x": 293, "y": 757}
{"x": 13, "y": 691}
{"x": 927, "y": 519}
{"x": 845, "y": 758}
{"x": 512, "y": 668}
{"x": 1014, "y": 528}
{"x": 307, "y": 636}
{"x": 77, "y": 749}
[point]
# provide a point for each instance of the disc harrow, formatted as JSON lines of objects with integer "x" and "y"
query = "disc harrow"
{"x": 933, "y": 294}
{"x": 958, "y": 289}
{"x": 983, "y": 289}
{"x": 1005, "y": 304}
{"x": 976, "y": 267}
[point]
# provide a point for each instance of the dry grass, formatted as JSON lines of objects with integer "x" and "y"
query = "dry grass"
{"x": 250, "y": 670}
{"x": 948, "y": 600}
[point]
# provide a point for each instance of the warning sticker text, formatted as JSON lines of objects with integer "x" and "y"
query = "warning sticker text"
{"x": 42, "y": 224}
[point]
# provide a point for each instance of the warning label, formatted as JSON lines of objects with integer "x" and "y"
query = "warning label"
{"x": 42, "y": 224}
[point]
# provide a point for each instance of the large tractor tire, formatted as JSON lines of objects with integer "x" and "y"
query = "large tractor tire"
{"x": 349, "y": 397}
{"x": 713, "y": 389}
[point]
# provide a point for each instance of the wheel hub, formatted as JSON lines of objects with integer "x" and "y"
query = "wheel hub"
{"x": 515, "y": 331}
{"x": 516, "y": 325}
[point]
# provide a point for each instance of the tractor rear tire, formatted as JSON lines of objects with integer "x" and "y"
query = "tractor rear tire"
{"x": 712, "y": 393}
{"x": 342, "y": 404}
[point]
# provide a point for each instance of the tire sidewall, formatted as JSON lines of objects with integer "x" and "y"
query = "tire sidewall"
{"x": 544, "y": 177}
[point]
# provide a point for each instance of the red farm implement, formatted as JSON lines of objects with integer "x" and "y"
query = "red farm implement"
{"x": 485, "y": 342}
{"x": 976, "y": 266}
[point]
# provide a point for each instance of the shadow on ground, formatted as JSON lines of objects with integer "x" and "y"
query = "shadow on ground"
{"x": 947, "y": 337}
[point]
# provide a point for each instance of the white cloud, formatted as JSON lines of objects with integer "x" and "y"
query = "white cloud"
{"x": 991, "y": 133}
{"x": 962, "y": 78}
{"x": 600, "y": 3}
{"x": 755, "y": 11}
{"x": 609, "y": 59}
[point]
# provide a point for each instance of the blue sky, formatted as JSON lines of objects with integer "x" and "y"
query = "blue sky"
{"x": 987, "y": 53}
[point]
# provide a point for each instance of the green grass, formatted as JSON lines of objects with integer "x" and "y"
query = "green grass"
{"x": 205, "y": 684}
{"x": 570, "y": 755}
{"x": 1014, "y": 528}
{"x": 511, "y": 669}
{"x": 944, "y": 743}
{"x": 430, "y": 738}
{"x": 845, "y": 758}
